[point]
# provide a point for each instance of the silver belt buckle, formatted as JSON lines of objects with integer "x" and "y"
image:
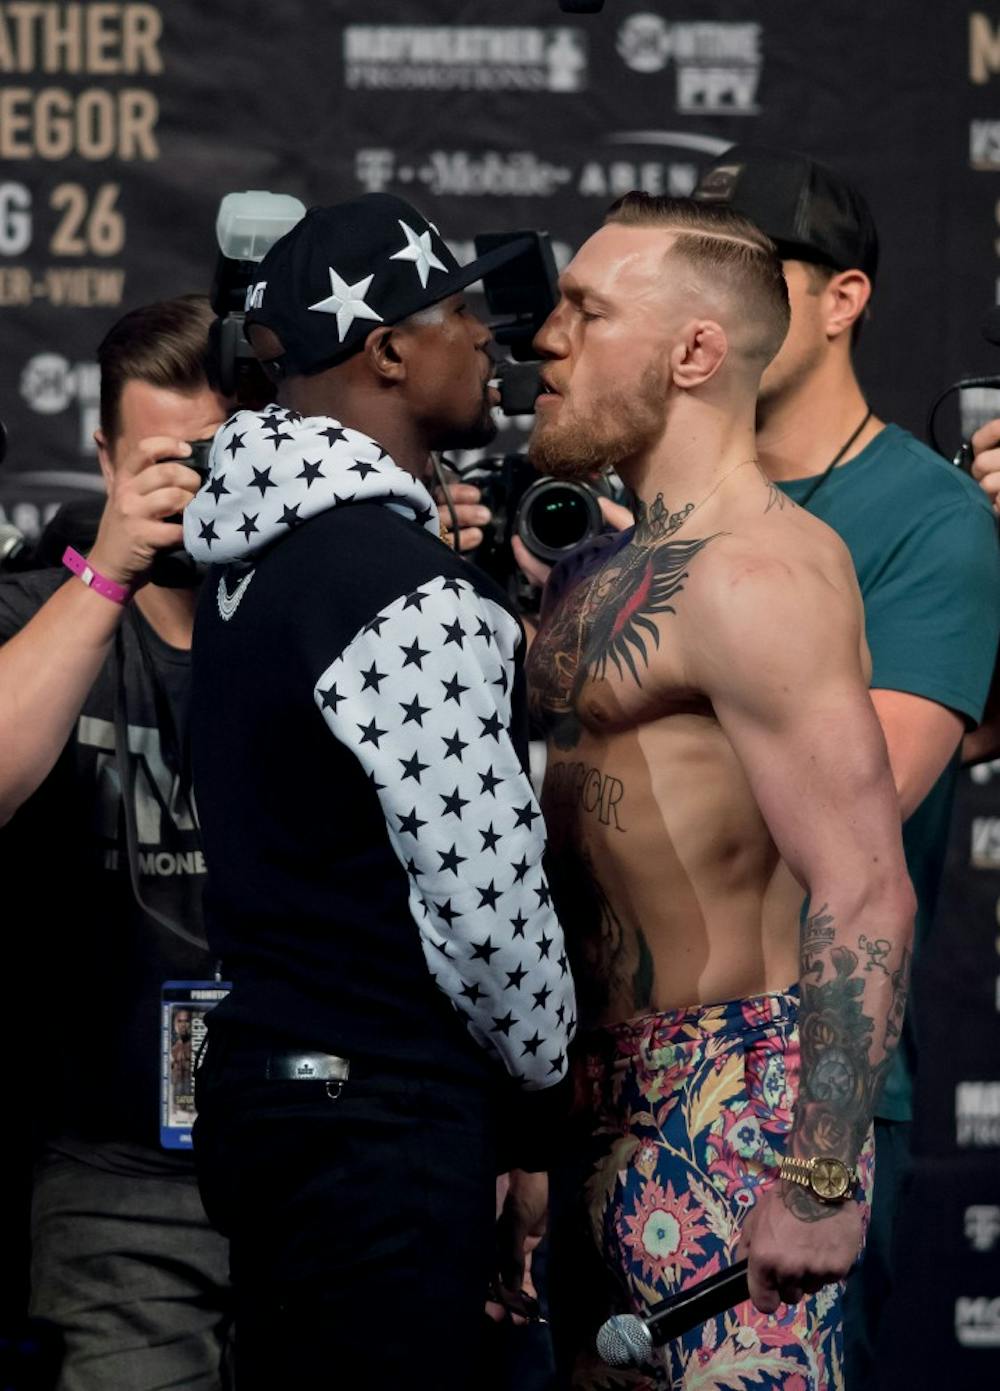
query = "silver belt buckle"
{"x": 310, "y": 1067}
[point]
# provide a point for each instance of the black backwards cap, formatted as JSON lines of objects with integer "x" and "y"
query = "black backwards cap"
{"x": 344, "y": 270}
{"x": 808, "y": 210}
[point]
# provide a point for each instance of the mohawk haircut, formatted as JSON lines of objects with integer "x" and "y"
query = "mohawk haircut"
{"x": 164, "y": 344}
{"x": 729, "y": 254}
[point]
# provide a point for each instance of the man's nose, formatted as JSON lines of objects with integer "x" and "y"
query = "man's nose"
{"x": 481, "y": 334}
{"x": 551, "y": 340}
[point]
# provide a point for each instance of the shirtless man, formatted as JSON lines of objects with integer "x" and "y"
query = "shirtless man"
{"x": 713, "y": 755}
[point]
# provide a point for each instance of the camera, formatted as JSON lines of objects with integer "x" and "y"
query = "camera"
{"x": 246, "y": 227}
{"x": 551, "y": 516}
{"x": 174, "y": 569}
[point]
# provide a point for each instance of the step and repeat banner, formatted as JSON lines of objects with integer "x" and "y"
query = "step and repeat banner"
{"x": 123, "y": 124}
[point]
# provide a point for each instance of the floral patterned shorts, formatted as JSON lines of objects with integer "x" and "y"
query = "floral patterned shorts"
{"x": 688, "y": 1113}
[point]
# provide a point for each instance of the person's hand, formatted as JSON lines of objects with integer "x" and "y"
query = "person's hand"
{"x": 149, "y": 484}
{"x": 986, "y": 464}
{"x": 522, "y": 1212}
{"x": 790, "y": 1256}
{"x": 619, "y": 518}
{"x": 472, "y": 516}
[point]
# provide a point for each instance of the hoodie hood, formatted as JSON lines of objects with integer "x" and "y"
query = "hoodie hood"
{"x": 271, "y": 470}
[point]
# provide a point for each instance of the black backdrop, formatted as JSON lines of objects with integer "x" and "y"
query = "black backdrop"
{"x": 121, "y": 125}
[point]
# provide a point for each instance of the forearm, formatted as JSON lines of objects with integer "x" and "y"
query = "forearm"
{"x": 855, "y": 957}
{"x": 46, "y": 671}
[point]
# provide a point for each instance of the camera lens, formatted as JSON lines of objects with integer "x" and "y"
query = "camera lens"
{"x": 560, "y": 520}
{"x": 554, "y": 517}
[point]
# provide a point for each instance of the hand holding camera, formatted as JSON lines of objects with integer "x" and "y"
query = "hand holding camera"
{"x": 147, "y": 493}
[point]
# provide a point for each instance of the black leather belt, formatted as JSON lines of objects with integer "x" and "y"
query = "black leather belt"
{"x": 307, "y": 1067}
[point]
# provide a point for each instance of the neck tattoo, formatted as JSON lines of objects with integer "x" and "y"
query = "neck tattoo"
{"x": 653, "y": 523}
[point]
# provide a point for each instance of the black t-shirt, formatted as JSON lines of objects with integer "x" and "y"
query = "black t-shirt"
{"x": 90, "y": 962}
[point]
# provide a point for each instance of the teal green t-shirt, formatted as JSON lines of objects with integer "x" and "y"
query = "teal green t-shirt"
{"x": 924, "y": 544}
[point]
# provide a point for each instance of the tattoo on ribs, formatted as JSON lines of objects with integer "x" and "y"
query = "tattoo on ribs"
{"x": 611, "y": 961}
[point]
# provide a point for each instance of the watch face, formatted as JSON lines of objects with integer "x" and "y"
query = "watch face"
{"x": 830, "y": 1179}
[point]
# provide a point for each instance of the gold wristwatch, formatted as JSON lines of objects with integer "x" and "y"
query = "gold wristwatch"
{"x": 827, "y": 1178}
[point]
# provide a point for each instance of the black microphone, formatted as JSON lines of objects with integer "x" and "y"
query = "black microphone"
{"x": 581, "y": 6}
{"x": 628, "y": 1341}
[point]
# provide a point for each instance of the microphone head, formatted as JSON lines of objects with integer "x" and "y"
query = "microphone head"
{"x": 624, "y": 1341}
{"x": 991, "y": 326}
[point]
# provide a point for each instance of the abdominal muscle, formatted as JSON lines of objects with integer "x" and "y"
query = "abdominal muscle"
{"x": 670, "y": 890}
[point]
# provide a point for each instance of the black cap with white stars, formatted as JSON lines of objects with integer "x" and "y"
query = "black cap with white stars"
{"x": 344, "y": 270}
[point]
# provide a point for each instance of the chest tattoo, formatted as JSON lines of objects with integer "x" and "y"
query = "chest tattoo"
{"x": 605, "y": 618}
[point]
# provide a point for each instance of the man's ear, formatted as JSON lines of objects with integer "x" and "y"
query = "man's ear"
{"x": 846, "y": 298}
{"x": 698, "y": 353}
{"x": 104, "y": 457}
{"x": 386, "y": 353}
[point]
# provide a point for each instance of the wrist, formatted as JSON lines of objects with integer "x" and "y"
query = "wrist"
{"x": 94, "y": 577}
{"x": 103, "y": 559}
{"x": 824, "y": 1178}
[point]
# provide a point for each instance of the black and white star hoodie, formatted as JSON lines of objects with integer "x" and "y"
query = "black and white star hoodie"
{"x": 359, "y": 736}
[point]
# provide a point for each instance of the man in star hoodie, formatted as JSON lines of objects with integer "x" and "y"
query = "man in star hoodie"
{"x": 401, "y": 1003}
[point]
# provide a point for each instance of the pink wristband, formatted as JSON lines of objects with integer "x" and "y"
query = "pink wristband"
{"x": 117, "y": 593}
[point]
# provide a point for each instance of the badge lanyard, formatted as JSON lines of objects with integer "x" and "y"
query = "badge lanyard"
{"x": 811, "y": 493}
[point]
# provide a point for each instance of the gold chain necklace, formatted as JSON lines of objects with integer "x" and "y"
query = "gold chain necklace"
{"x": 631, "y": 564}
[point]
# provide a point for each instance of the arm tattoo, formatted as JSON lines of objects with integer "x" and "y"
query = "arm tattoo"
{"x": 839, "y": 1080}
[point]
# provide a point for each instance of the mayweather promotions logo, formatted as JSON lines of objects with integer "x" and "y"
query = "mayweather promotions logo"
{"x": 717, "y": 65}
{"x": 455, "y": 57}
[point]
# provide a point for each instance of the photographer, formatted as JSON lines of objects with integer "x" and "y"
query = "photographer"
{"x": 95, "y": 797}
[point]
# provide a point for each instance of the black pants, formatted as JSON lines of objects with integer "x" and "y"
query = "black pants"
{"x": 360, "y": 1227}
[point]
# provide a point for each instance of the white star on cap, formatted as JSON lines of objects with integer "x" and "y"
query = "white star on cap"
{"x": 347, "y": 302}
{"x": 418, "y": 250}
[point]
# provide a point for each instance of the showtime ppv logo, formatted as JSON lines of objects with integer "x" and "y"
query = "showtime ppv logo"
{"x": 977, "y": 1322}
{"x": 455, "y": 57}
{"x": 50, "y": 383}
{"x": 718, "y": 65}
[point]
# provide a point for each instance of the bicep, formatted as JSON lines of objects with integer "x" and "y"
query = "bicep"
{"x": 789, "y": 691}
{"x": 819, "y": 772}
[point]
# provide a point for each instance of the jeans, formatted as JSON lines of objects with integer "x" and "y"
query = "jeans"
{"x": 360, "y": 1221}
